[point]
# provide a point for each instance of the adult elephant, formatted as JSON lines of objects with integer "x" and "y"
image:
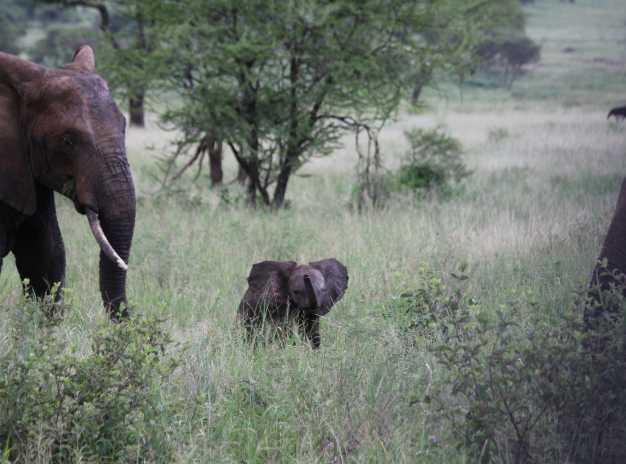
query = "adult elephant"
{"x": 60, "y": 130}
{"x": 611, "y": 266}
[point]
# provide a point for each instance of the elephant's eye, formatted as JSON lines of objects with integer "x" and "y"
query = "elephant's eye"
{"x": 67, "y": 140}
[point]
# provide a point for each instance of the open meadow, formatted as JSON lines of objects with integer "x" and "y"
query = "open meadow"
{"x": 525, "y": 229}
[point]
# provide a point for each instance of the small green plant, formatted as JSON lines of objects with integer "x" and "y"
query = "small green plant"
{"x": 433, "y": 162}
{"x": 102, "y": 406}
{"x": 422, "y": 313}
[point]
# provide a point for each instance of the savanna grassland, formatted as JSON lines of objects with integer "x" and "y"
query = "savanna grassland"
{"x": 526, "y": 227}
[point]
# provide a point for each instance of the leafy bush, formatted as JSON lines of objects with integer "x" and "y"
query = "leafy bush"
{"x": 60, "y": 406}
{"x": 432, "y": 162}
{"x": 420, "y": 313}
{"x": 526, "y": 383}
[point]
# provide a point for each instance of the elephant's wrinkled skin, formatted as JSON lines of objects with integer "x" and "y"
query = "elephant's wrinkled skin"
{"x": 60, "y": 130}
{"x": 283, "y": 293}
{"x": 612, "y": 260}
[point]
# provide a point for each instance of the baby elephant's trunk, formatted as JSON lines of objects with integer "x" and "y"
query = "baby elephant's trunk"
{"x": 311, "y": 292}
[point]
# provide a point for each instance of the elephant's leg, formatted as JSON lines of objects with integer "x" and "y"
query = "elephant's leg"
{"x": 9, "y": 222}
{"x": 312, "y": 330}
{"x": 38, "y": 248}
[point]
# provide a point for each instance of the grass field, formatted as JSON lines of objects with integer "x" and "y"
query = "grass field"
{"x": 528, "y": 225}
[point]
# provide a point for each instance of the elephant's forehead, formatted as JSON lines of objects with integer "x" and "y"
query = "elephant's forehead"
{"x": 88, "y": 88}
{"x": 297, "y": 277}
{"x": 79, "y": 96}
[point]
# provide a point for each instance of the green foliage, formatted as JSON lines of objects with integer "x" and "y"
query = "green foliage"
{"x": 14, "y": 15}
{"x": 433, "y": 162}
{"x": 527, "y": 383}
{"x": 59, "y": 43}
{"x": 504, "y": 49}
{"x": 287, "y": 81}
{"x": 130, "y": 46}
{"x": 132, "y": 52}
{"x": 421, "y": 314}
{"x": 508, "y": 55}
{"x": 104, "y": 405}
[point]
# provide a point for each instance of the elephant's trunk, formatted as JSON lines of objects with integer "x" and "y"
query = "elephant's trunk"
{"x": 116, "y": 214}
{"x": 310, "y": 291}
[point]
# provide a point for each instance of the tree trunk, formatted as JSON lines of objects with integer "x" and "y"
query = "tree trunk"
{"x": 292, "y": 144}
{"x": 251, "y": 193}
{"x": 241, "y": 175}
{"x": 422, "y": 78}
{"x": 281, "y": 186}
{"x": 136, "y": 109}
{"x": 215, "y": 149}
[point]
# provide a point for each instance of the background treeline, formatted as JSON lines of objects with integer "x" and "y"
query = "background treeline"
{"x": 275, "y": 82}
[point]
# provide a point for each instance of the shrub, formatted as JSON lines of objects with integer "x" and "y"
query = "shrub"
{"x": 420, "y": 313}
{"x": 60, "y": 406}
{"x": 527, "y": 383}
{"x": 432, "y": 163}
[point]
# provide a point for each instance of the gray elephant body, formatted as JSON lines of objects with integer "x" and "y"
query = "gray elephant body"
{"x": 60, "y": 131}
{"x": 611, "y": 266}
{"x": 283, "y": 294}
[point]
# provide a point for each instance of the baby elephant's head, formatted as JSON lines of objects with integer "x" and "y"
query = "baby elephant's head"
{"x": 313, "y": 288}
{"x": 283, "y": 292}
{"x": 307, "y": 287}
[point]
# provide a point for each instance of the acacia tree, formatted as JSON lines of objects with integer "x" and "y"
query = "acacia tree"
{"x": 505, "y": 48}
{"x": 130, "y": 49}
{"x": 483, "y": 21}
{"x": 280, "y": 82}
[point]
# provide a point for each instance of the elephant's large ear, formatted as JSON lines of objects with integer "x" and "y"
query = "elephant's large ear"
{"x": 268, "y": 284}
{"x": 17, "y": 186}
{"x": 336, "y": 277}
{"x": 84, "y": 59}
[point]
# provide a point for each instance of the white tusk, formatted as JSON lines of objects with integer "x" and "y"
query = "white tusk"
{"x": 105, "y": 246}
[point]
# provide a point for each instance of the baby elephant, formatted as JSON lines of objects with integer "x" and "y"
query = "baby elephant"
{"x": 283, "y": 293}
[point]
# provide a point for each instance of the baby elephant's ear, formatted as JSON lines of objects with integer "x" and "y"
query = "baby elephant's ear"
{"x": 268, "y": 283}
{"x": 336, "y": 277}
